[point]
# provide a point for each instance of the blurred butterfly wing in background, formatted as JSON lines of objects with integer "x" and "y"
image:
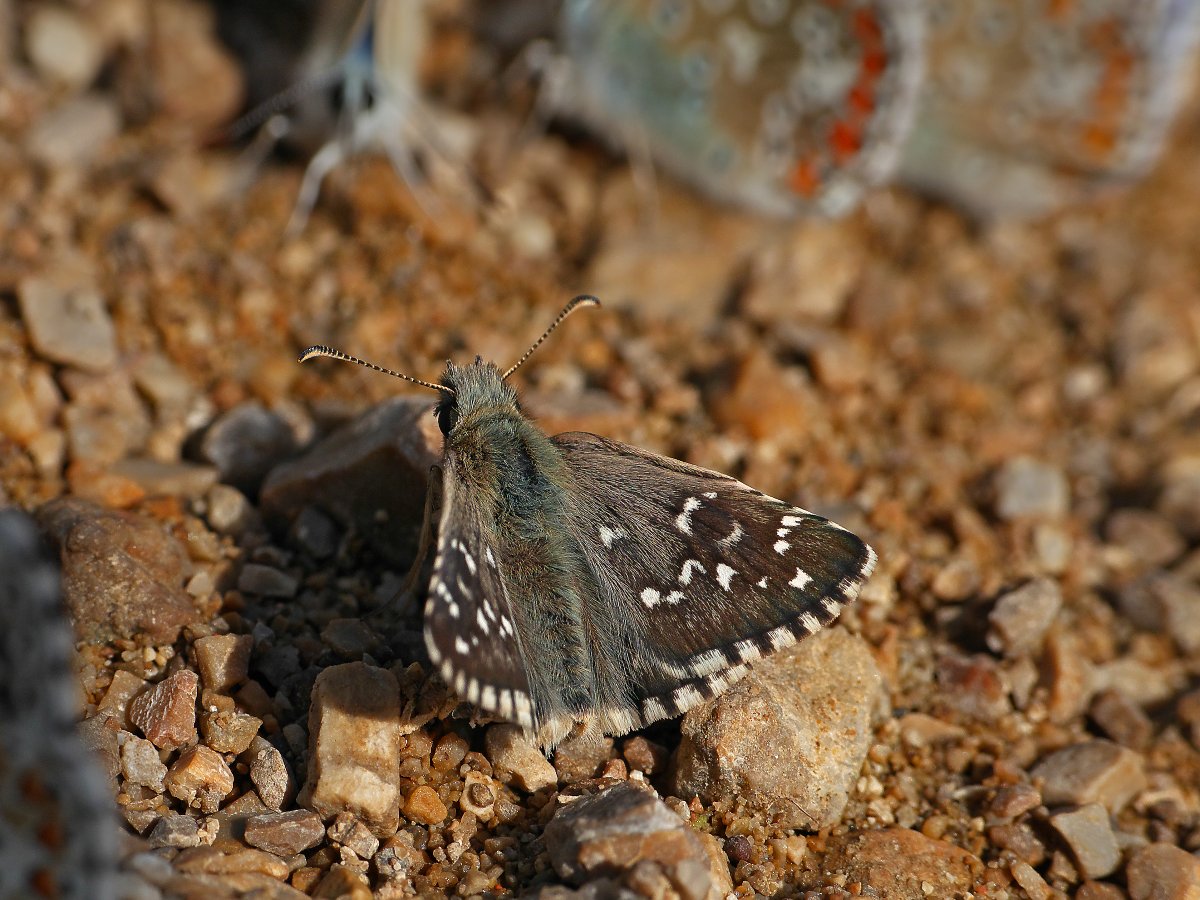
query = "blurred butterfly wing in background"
{"x": 1027, "y": 105}
{"x": 58, "y": 826}
{"x": 783, "y": 106}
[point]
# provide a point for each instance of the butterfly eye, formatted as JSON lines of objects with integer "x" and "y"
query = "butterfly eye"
{"x": 447, "y": 416}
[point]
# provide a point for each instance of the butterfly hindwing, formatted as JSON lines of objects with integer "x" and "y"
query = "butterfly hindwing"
{"x": 700, "y": 573}
{"x": 470, "y": 629}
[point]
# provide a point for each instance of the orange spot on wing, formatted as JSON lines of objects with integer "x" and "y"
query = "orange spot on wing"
{"x": 803, "y": 178}
{"x": 846, "y": 141}
{"x": 862, "y": 100}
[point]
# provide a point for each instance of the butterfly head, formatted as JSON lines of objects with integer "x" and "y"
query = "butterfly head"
{"x": 467, "y": 390}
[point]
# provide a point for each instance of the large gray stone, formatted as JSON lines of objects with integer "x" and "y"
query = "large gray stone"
{"x": 790, "y": 737}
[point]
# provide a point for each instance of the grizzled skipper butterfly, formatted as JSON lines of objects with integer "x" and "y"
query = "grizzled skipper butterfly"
{"x": 578, "y": 579}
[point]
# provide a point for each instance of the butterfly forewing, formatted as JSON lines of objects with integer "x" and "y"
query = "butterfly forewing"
{"x": 471, "y": 631}
{"x": 699, "y": 573}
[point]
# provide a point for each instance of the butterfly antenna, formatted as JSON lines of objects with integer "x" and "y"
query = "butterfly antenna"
{"x": 576, "y": 302}
{"x": 320, "y": 350}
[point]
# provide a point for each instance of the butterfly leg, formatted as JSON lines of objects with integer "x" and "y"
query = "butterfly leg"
{"x": 394, "y": 615}
{"x": 433, "y": 501}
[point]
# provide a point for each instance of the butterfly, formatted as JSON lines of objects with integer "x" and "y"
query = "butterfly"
{"x": 783, "y": 106}
{"x": 58, "y": 822}
{"x": 1027, "y": 106}
{"x": 581, "y": 582}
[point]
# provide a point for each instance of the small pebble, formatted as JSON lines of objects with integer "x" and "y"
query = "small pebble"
{"x": 1121, "y": 719}
{"x": 349, "y": 638}
{"x": 228, "y": 731}
{"x": 1033, "y": 883}
{"x": 121, "y": 691}
{"x": 425, "y": 806}
{"x": 354, "y": 745}
{"x": 1089, "y": 835}
{"x": 1091, "y": 772}
{"x": 200, "y": 778}
{"x": 1150, "y": 540}
{"x": 229, "y": 511}
{"x": 62, "y": 45}
{"x": 1030, "y": 488}
{"x": 68, "y": 323}
{"x": 166, "y": 479}
{"x": 1163, "y": 872}
{"x": 75, "y": 133}
{"x": 316, "y": 533}
{"x": 515, "y": 758}
{"x": 266, "y": 581}
{"x": 166, "y": 713}
{"x": 1020, "y": 618}
{"x": 285, "y": 833}
{"x": 478, "y": 796}
{"x": 175, "y": 830}
{"x": 1014, "y": 800}
{"x": 229, "y": 860}
{"x": 270, "y": 773}
{"x": 223, "y": 660}
{"x": 645, "y": 755}
{"x": 448, "y": 752}
{"x": 140, "y": 762}
{"x": 350, "y": 832}
{"x": 245, "y": 443}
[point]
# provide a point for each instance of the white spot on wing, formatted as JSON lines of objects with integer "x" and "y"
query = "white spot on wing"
{"x": 481, "y": 621}
{"x": 686, "y": 697}
{"x": 725, "y": 575}
{"x": 653, "y": 598}
{"x": 733, "y": 537}
{"x": 802, "y": 579}
{"x": 653, "y": 710}
{"x": 810, "y": 623}
{"x": 683, "y": 521}
{"x": 523, "y": 708}
{"x": 790, "y": 521}
{"x": 461, "y": 646}
{"x": 831, "y": 606}
{"x": 762, "y": 582}
{"x": 711, "y": 495}
{"x": 747, "y": 650}
{"x": 708, "y": 662}
{"x": 487, "y": 554}
{"x": 869, "y": 563}
{"x": 685, "y": 574}
{"x": 608, "y": 535}
{"x": 781, "y": 547}
{"x": 780, "y": 638}
{"x": 487, "y": 699}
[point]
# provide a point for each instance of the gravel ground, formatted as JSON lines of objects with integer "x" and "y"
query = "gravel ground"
{"x": 1007, "y": 413}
